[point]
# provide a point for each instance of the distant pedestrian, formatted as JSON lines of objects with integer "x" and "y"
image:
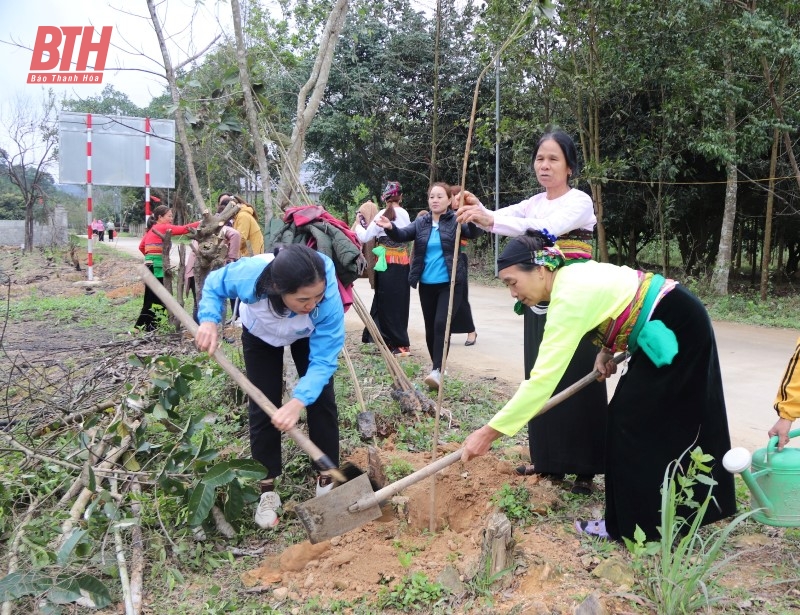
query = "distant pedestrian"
{"x": 101, "y": 230}
{"x": 110, "y": 228}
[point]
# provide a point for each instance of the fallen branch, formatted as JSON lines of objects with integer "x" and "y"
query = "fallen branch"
{"x": 83, "y": 479}
{"x": 75, "y": 417}
{"x": 237, "y": 552}
{"x": 122, "y": 565}
{"x": 14, "y": 548}
{"x": 137, "y": 550}
{"x": 407, "y": 395}
{"x": 86, "y": 495}
{"x": 223, "y": 527}
{"x": 40, "y": 456}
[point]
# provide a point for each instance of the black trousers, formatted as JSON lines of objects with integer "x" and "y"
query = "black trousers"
{"x": 264, "y": 366}
{"x": 433, "y": 298}
{"x": 191, "y": 287}
{"x": 147, "y": 317}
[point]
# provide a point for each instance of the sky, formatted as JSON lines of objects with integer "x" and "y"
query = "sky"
{"x": 191, "y": 25}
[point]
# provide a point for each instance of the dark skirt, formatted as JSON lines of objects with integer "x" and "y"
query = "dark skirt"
{"x": 462, "y": 319}
{"x": 390, "y": 306}
{"x": 570, "y": 438}
{"x": 658, "y": 413}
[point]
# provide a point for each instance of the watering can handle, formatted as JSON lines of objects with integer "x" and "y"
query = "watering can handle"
{"x": 773, "y": 441}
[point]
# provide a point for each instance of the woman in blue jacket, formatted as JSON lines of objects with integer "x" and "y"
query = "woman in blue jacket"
{"x": 289, "y": 299}
{"x": 434, "y": 242}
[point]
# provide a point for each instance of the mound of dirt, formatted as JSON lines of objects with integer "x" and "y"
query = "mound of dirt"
{"x": 381, "y": 553}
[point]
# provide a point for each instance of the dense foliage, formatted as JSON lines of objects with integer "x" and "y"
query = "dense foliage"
{"x": 676, "y": 107}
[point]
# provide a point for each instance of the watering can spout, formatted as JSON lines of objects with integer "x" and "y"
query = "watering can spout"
{"x": 737, "y": 461}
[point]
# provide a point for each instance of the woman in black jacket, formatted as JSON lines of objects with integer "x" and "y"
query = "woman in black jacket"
{"x": 434, "y": 242}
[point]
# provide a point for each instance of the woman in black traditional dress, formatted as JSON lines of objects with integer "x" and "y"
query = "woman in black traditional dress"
{"x": 556, "y": 448}
{"x": 669, "y": 400}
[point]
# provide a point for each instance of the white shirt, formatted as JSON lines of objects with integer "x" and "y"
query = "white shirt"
{"x": 571, "y": 211}
{"x": 374, "y": 231}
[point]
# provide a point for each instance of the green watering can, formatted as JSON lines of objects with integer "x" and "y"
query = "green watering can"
{"x": 774, "y": 481}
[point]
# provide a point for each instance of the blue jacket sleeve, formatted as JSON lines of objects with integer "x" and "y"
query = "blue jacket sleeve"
{"x": 406, "y": 233}
{"x": 236, "y": 280}
{"x": 326, "y": 340}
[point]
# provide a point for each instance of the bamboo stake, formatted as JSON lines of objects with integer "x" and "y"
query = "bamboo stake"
{"x": 457, "y": 248}
{"x": 351, "y": 368}
{"x": 395, "y": 370}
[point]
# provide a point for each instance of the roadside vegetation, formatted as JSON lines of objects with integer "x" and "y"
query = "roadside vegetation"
{"x": 125, "y": 460}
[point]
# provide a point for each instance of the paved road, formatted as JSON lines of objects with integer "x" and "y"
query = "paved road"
{"x": 753, "y": 358}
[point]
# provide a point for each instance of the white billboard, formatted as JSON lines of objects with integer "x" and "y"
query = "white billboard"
{"x": 118, "y": 150}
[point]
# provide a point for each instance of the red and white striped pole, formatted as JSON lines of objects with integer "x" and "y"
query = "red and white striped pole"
{"x": 89, "y": 195}
{"x": 147, "y": 212}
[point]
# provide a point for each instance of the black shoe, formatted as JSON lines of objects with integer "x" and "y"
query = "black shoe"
{"x": 583, "y": 485}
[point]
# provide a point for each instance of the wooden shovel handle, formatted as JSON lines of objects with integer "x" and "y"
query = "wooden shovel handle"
{"x": 302, "y": 440}
{"x": 440, "y": 464}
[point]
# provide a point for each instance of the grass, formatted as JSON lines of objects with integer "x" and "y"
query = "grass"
{"x": 190, "y": 578}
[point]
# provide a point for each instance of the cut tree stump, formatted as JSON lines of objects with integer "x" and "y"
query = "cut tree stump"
{"x": 498, "y": 545}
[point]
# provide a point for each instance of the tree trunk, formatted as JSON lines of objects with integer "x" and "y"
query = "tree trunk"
{"x": 777, "y": 107}
{"x": 308, "y": 100}
{"x": 765, "y": 257}
{"x": 29, "y": 224}
{"x": 180, "y": 126}
{"x": 722, "y": 267}
{"x": 250, "y": 111}
{"x": 738, "y": 247}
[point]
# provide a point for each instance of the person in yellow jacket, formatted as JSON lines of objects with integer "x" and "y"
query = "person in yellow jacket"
{"x": 246, "y": 222}
{"x": 787, "y": 401}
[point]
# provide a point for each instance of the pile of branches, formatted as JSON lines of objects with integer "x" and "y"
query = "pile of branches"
{"x": 81, "y": 453}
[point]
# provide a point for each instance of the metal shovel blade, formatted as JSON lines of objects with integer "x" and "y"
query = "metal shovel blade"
{"x": 329, "y": 515}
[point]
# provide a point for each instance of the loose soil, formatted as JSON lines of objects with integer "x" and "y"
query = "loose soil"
{"x": 553, "y": 569}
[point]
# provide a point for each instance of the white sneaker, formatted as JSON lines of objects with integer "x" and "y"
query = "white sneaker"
{"x": 237, "y": 323}
{"x": 266, "y": 515}
{"x": 323, "y": 489}
{"x": 433, "y": 380}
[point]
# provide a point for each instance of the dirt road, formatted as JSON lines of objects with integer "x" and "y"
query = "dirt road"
{"x": 753, "y": 358}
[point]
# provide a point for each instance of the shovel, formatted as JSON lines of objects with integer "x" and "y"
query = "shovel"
{"x": 321, "y": 459}
{"x": 354, "y": 503}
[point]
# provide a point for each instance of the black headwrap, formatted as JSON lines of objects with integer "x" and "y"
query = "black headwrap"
{"x": 517, "y": 253}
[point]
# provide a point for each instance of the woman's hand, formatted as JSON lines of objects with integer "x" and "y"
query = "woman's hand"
{"x": 479, "y": 442}
{"x": 383, "y": 222}
{"x": 287, "y": 415}
{"x": 781, "y": 429}
{"x": 604, "y": 363}
{"x": 470, "y": 210}
{"x": 206, "y": 337}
